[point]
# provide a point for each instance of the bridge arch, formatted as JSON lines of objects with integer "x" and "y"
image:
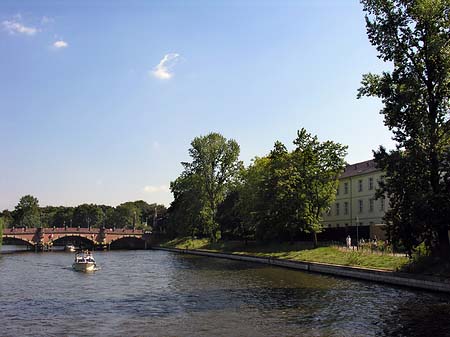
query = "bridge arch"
{"x": 78, "y": 240}
{"x": 17, "y": 240}
{"x": 128, "y": 242}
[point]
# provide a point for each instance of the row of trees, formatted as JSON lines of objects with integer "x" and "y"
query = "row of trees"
{"x": 276, "y": 197}
{"x": 414, "y": 36}
{"x": 137, "y": 214}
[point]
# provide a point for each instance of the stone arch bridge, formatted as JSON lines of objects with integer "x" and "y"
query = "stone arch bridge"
{"x": 96, "y": 238}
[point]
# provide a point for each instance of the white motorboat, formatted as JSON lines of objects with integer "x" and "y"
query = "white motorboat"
{"x": 84, "y": 261}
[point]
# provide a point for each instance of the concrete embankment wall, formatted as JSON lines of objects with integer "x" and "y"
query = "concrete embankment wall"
{"x": 399, "y": 279}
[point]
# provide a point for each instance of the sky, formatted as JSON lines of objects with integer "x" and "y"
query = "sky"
{"x": 99, "y": 100}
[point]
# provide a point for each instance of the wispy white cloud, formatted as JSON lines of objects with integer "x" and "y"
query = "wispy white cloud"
{"x": 163, "y": 70}
{"x": 60, "y": 44}
{"x": 153, "y": 189}
{"x": 16, "y": 27}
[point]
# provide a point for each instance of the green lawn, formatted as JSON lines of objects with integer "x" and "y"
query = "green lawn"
{"x": 296, "y": 251}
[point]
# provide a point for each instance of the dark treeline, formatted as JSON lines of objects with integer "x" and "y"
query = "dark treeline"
{"x": 132, "y": 214}
{"x": 277, "y": 197}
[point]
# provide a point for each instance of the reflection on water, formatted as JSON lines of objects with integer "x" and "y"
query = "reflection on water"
{"x": 154, "y": 293}
{"x": 13, "y": 248}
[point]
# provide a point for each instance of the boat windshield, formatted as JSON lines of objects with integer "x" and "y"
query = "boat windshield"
{"x": 84, "y": 258}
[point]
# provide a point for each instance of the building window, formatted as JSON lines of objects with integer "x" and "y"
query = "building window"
{"x": 360, "y": 185}
{"x": 337, "y": 208}
{"x": 371, "y": 205}
{"x": 345, "y": 207}
{"x": 370, "y": 183}
{"x": 329, "y": 225}
{"x": 337, "y": 225}
{"x": 337, "y": 191}
{"x": 345, "y": 188}
{"x": 360, "y": 202}
{"x": 382, "y": 204}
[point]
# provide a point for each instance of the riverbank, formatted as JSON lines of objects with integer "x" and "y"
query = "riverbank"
{"x": 371, "y": 267}
{"x": 297, "y": 251}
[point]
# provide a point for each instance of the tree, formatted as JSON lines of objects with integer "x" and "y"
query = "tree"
{"x": 27, "y": 212}
{"x": 229, "y": 217}
{"x": 253, "y": 205}
{"x": 128, "y": 215}
{"x": 63, "y": 217}
{"x": 415, "y": 37}
{"x": 8, "y": 219}
{"x": 48, "y": 215}
{"x": 214, "y": 164}
{"x": 317, "y": 167}
{"x": 274, "y": 207}
{"x": 187, "y": 215}
{"x": 285, "y": 193}
{"x": 88, "y": 215}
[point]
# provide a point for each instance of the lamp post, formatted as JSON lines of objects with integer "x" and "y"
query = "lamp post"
{"x": 357, "y": 233}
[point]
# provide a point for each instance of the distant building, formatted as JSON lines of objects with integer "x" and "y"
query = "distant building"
{"x": 355, "y": 201}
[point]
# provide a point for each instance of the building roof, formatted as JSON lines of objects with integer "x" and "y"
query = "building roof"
{"x": 357, "y": 169}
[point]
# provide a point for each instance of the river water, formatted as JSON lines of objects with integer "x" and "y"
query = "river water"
{"x": 157, "y": 293}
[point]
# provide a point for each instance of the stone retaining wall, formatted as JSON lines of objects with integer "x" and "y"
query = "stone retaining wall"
{"x": 374, "y": 275}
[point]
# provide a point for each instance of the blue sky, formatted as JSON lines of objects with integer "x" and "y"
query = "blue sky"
{"x": 99, "y": 100}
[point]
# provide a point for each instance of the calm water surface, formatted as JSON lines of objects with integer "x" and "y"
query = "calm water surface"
{"x": 155, "y": 293}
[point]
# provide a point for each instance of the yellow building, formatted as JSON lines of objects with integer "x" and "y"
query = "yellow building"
{"x": 355, "y": 201}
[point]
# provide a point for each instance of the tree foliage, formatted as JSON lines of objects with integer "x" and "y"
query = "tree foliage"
{"x": 277, "y": 197}
{"x": 414, "y": 36}
{"x": 317, "y": 167}
{"x": 27, "y": 212}
{"x": 87, "y": 215}
{"x": 137, "y": 214}
{"x": 204, "y": 182}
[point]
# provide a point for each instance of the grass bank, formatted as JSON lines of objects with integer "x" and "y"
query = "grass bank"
{"x": 300, "y": 251}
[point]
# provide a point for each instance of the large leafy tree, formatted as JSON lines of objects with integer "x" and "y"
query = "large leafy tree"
{"x": 27, "y": 212}
{"x": 286, "y": 193}
{"x": 215, "y": 164}
{"x": 88, "y": 215}
{"x": 317, "y": 166}
{"x": 414, "y": 36}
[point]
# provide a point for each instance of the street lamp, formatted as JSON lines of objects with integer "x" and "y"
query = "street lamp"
{"x": 357, "y": 233}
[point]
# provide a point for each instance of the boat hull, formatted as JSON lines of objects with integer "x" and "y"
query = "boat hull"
{"x": 84, "y": 267}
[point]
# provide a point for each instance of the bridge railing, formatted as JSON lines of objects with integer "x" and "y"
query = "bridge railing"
{"x": 65, "y": 230}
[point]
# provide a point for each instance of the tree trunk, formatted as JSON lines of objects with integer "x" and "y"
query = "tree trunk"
{"x": 444, "y": 244}
{"x": 315, "y": 239}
